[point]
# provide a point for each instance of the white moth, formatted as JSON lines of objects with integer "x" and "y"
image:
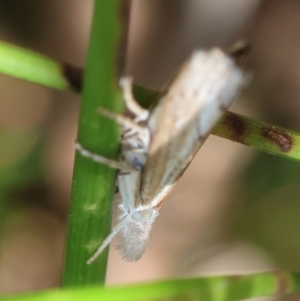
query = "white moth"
{"x": 161, "y": 144}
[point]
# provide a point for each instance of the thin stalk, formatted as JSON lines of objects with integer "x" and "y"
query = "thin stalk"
{"x": 35, "y": 68}
{"x": 93, "y": 185}
{"x": 39, "y": 69}
{"x": 266, "y": 137}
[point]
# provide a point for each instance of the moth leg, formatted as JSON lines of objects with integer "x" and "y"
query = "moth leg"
{"x": 131, "y": 104}
{"x": 121, "y": 165}
{"x": 124, "y": 121}
{"x": 109, "y": 238}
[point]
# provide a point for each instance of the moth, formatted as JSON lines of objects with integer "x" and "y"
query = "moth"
{"x": 157, "y": 146}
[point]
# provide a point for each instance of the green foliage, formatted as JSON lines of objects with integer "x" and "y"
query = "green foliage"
{"x": 230, "y": 288}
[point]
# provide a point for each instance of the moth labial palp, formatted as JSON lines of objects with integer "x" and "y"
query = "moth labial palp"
{"x": 174, "y": 131}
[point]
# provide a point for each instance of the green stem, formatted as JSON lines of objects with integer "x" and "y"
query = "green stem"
{"x": 38, "y": 69}
{"x": 93, "y": 184}
{"x": 30, "y": 66}
{"x": 262, "y": 136}
{"x": 225, "y": 288}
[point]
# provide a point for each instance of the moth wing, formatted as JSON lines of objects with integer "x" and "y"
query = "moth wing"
{"x": 129, "y": 188}
{"x": 134, "y": 234}
{"x": 206, "y": 85}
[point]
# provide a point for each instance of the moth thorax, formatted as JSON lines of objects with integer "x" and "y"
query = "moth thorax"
{"x": 143, "y": 215}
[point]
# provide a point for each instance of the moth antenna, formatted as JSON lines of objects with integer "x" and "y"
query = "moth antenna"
{"x": 130, "y": 102}
{"x": 109, "y": 238}
{"x": 99, "y": 159}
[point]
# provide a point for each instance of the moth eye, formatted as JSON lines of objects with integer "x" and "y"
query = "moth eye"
{"x": 138, "y": 163}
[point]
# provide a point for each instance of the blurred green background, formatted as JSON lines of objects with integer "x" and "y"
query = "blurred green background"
{"x": 235, "y": 209}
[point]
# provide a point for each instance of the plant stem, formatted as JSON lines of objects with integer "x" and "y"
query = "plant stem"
{"x": 93, "y": 186}
{"x": 38, "y": 69}
{"x": 262, "y": 136}
{"x": 30, "y": 66}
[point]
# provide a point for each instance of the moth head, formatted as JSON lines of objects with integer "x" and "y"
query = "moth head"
{"x": 135, "y": 144}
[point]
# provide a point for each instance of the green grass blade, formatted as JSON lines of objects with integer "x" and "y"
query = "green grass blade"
{"x": 35, "y": 68}
{"x": 230, "y": 288}
{"x": 260, "y": 135}
{"x": 38, "y": 69}
{"x": 93, "y": 184}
